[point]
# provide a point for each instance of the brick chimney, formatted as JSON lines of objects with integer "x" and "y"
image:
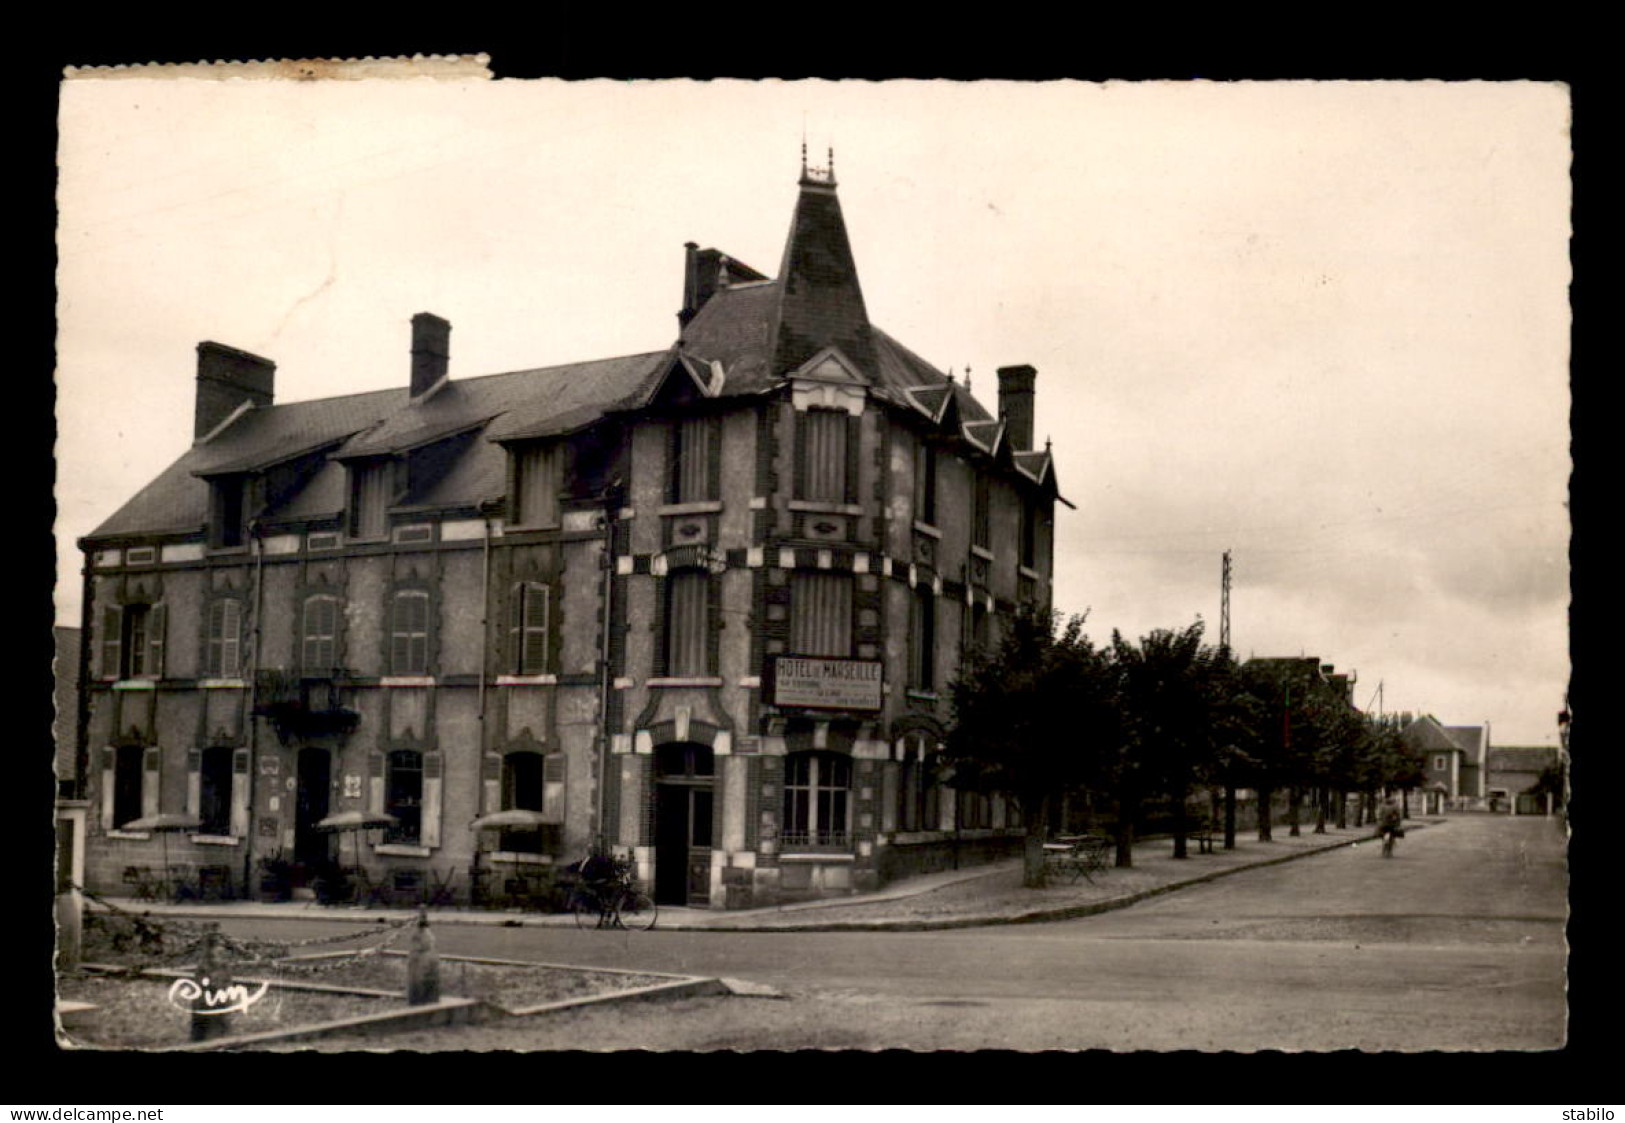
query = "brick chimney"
{"x": 1016, "y": 404}
{"x": 226, "y": 379}
{"x": 431, "y": 352}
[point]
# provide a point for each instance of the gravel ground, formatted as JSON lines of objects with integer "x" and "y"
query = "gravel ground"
{"x": 134, "y": 1013}
{"x": 137, "y": 1014}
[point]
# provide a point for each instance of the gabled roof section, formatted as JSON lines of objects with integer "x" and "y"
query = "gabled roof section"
{"x": 985, "y": 435}
{"x": 1426, "y": 734}
{"x": 735, "y": 328}
{"x": 565, "y": 399}
{"x": 1473, "y": 739}
{"x": 830, "y": 365}
{"x": 453, "y": 408}
{"x": 178, "y": 500}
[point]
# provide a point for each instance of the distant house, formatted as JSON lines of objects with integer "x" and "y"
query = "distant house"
{"x": 1513, "y": 774}
{"x": 1475, "y": 746}
{"x": 1443, "y": 761}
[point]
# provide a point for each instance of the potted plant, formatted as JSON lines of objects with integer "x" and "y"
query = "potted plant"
{"x": 332, "y": 884}
{"x": 276, "y": 877}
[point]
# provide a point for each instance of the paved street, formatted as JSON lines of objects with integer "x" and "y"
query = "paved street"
{"x": 1457, "y": 943}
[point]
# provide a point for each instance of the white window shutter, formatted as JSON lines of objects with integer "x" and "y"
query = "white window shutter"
{"x": 432, "y": 783}
{"x": 109, "y": 764}
{"x": 157, "y": 617}
{"x": 239, "y": 793}
{"x": 150, "y": 775}
{"x": 194, "y": 781}
{"x": 553, "y": 788}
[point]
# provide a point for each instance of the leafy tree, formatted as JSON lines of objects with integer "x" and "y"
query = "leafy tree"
{"x": 1032, "y": 718}
{"x": 1170, "y": 687}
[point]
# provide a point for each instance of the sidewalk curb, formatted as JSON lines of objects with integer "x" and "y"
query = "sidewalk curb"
{"x": 1039, "y": 916}
{"x": 723, "y": 923}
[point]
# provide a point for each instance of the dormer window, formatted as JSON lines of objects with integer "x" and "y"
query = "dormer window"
{"x": 229, "y": 521}
{"x": 370, "y": 497}
{"x": 537, "y": 478}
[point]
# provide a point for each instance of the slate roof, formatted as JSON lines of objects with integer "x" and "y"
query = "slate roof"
{"x": 1473, "y": 739}
{"x": 1427, "y": 735}
{"x": 755, "y": 332}
{"x": 1522, "y": 759}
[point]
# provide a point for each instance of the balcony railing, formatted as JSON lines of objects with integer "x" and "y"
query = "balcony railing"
{"x": 815, "y": 840}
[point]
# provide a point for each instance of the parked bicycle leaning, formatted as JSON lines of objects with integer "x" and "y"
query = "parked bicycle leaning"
{"x": 608, "y": 894}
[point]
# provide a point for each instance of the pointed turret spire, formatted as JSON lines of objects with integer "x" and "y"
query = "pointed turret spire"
{"x": 820, "y": 302}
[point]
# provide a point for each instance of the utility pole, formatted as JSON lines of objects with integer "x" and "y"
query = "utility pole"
{"x": 1224, "y": 605}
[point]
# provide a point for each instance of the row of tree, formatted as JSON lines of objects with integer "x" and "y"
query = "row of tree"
{"x": 1047, "y": 713}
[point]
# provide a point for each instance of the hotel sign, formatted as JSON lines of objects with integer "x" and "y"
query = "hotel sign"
{"x": 826, "y": 684}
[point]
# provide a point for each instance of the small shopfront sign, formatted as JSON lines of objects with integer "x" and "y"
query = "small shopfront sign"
{"x": 826, "y": 684}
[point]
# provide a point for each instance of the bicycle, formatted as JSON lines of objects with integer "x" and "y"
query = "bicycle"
{"x": 619, "y": 904}
{"x": 1390, "y": 835}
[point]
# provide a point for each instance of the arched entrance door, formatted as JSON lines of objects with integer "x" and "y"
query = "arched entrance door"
{"x": 684, "y": 778}
{"x": 312, "y": 799}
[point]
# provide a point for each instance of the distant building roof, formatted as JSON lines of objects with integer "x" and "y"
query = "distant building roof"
{"x": 1522, "y": 758}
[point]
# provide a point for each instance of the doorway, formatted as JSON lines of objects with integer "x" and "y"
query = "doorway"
{"x": 312, "y": 847}
{"x": 684, "y": 814}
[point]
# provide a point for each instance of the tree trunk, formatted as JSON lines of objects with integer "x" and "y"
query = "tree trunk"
{"x": 1229, "y": 816}
{"x": 1181, "y": 824}
{"x": 1342, "y": 800}
{"x": 1265, "y": 797}
{"x": 1294, "y": 805}
{"x": 1125, "y": 832}
{"x": 1321, "y": 796}
{"x": 1034, "y": 820}
{"x": 1405, "y": 803}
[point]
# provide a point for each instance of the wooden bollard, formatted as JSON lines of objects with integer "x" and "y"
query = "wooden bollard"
{"x": 422, "y": 965}
{"x": 213, "y": 977}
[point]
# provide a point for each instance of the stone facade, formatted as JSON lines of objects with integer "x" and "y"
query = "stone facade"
{"x": 701, "y": 605}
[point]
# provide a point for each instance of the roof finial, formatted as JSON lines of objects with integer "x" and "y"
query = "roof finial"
{"x": 967, "y": 378}
{"x": 803, "y": 147}
{"x": 1046, "y": 443}
{"x": 950, "y": 376}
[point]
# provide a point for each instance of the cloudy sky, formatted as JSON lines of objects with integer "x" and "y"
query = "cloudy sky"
{"x": 1322, "y": 325}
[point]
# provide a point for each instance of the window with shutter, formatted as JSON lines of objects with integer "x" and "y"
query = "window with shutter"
{"x": 370, "y": 498}
{"x": 129, "y": 765}
{"x": 140, "y": 652}
{"x": 215, "y": 773}
{"x": 981, "y": 513}
{"x": 409, "y": 633}
{"x": 691, "y": 459}
{"x": 403, "y": 796}
{"x": 111, "y": 665}
{"x": 527, "y": 633}
{"x": 823, "y": 455}
{"x": 688, "y": 617}
{"x": 925, "y": 483}
{"x": 821, "y": 614}
{"x": 923, "y": 640}
{"x": 223, "y": 657}
{"x": 1029, "y": 533}
{"x": 537, "y": 480}
{"x": 319, "y": 650}
{"x": 523, "y": 789}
